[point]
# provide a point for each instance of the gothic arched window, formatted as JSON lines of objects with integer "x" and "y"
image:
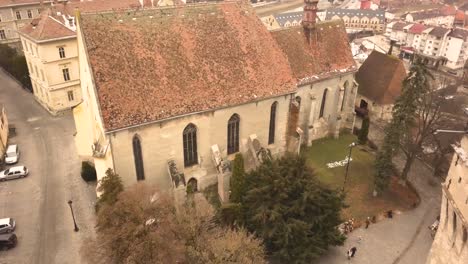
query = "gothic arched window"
{"x": 345, "y": 90}
{"x": 271, "y": 134}
{"x": 233, "y": 134}
{"x": 137, "y": 155}
{"x": 324, "y": 100}
{"x": 190, "y": 145}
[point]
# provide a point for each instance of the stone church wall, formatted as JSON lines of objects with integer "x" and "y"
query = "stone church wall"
{"x": 334, "y": 118}
{"x": 163, "y": 141}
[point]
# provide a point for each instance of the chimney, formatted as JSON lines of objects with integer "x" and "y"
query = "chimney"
{"x": 392, "y": 42}
{"x": 310, "y": 14}
{"x": 309, "y": 17}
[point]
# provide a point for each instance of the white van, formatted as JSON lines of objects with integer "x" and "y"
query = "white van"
{"x": 12, "y": 154}
{"x": 7, "y": 225}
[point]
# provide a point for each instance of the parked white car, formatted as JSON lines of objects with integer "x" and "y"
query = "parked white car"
{"x": 12, "y": 154}
{"x": 14, "y": 173}
{"x": 7, "y": 225}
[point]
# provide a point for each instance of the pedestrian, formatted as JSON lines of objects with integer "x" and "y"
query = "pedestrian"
{"x": 353, "y": 251}
{"x": 349, "y": 254}
{"x": 390, "y": 214}
{"x": 367, "y": 222}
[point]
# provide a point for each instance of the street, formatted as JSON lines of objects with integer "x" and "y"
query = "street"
{"x": 38, "y": 202}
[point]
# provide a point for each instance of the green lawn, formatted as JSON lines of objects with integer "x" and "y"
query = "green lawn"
{"x": 359, "y": 186}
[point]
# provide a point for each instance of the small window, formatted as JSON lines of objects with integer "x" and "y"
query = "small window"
{"x": 66, "y": 74}
{"x": 70, "y": 22}
{"x": 233, "y": 134}
{"x": 465, "y": 235}
{"x": 271, "y": 134}
{"x": 2, "y": 34}
{"x": 71, "y": 97}
{"x": 18, "y": 15}
{"x": 29, "y": 14}
{"x": 454, "y": 222}
{"x": 61, "y": 52}
{"x": 324, "y": 101}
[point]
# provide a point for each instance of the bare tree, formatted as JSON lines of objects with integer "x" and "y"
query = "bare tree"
{"x": 144, "y": 226}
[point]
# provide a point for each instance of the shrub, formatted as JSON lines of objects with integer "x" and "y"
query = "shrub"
{"x": 88, "y": 172}
{"x": 237, "y": 182}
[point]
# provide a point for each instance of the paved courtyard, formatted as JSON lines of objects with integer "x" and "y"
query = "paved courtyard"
{"x": 39, "y": 201}
{"x": 405, "y": 239}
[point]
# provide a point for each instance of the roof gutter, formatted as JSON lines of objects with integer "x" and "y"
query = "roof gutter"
{"x": 193, "y": 113}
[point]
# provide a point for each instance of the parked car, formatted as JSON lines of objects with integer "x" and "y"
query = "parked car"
{"x": 7, "y": 225}
{"x": 8, "y": 241}
{"x": 12, "y": 154}
{"x": 14, "y": 173}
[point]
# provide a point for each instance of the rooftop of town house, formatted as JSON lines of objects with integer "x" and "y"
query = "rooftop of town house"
{"x": 46, "y": 27}
{"x": 155, "y": 64}
{"x": 417, "y": 29}
{"x": 327, "y": 53}
{"x": 4, "y": 3}
{"x": 380, "y": 78}
{"x": 400, "y": 25}
{"x": 285, "y": 17}
{"x": 459, "y": 33}
{"x": 439, "y": 31}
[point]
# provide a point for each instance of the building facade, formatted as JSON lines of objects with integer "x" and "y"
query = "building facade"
{"x": 431, "y": 18}
{"x": 437, "y": 46}
{"x": 14, "y": 14}
{"x": 3, "y": 132}
{"x": 184, "y": 117}
{"x": 451, "y": 241}
{"x": 359, "y": 20}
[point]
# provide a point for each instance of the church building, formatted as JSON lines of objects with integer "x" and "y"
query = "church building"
{"x": 170, "y": 95}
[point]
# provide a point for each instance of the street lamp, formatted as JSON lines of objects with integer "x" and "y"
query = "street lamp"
{"x": 73, "y": 216}
{"x": 347, "y": 164}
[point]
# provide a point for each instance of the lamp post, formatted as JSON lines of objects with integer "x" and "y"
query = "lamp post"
{"x": 73, "y": 216}
{"x": 347, "y": 164}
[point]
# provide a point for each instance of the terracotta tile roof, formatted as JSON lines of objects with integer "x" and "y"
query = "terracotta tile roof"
{"x": 460, "y": 16}
{"x": 154, "y": 64}
{"x": 448, "y": 10}
{"x": 417, "y": 29}
{"x": 327, "y": 53}
{"x": 380, "y": 78}
{"x": 46, "y": 27}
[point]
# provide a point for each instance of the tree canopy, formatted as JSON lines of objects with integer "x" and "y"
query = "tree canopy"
{"x": 295, "y": 214}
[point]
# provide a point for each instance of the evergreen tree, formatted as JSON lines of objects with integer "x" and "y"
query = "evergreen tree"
{"x": 109, "y": 186}
{"x": 237, "y": 182}
{"x": 414, "y": 116}
{"x": 362, "y": 137}
{"x": 295, "y": 214}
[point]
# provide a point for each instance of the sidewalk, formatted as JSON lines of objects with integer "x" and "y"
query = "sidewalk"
{"x": 405, "y": 239}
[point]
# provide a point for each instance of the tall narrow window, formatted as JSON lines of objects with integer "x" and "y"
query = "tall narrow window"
{"x": 2, "y": 34}
{"x": 345, "y": 90}
{"x": 29, "y": 14}
{"x": 140, "y": 173}
{"x": 66, "y": 74}
{"x": 61, "y": 52}
{"x": 18, "y": 15}
{"x": 271, "y": 134}
{"x": 233, "y": 134}
{"x": 324, "y": 101}
{"x": 454, "y": 222}
{"x": 190, "y": 145}
{"x": 71, "y": 97}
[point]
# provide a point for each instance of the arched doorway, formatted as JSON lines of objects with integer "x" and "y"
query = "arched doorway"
{"x": 192, "y": 186}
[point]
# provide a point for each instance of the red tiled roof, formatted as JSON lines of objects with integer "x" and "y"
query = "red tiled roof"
{"x": 417, "y": 29}
{"x": 380, "y": 78}
{"x": 155, "y": 64}
{"x": 448, "y": 10}
{"x": 327, "y": 52}
{"x": 46, "y": 27}
{"x": 460, "y": 16}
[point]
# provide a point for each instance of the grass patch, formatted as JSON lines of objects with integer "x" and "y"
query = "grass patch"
{"x": 360, "y": 182}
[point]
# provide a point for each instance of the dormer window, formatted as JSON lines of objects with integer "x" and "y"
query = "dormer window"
{"x": 29, "y": 14}
{"x": 18, "y": 15}
{"x": 70, "y": 22}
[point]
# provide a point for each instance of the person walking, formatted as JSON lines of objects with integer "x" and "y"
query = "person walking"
{"x": 352, "y": 252}
{"x": 367, "y": 222}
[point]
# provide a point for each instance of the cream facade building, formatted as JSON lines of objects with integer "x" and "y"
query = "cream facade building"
{"x": 14, "y": 14}
{"x": 155, "y": 113}
{"x": 451, "y": 241}
{"x": 357, "y": 20}
{"x": 51, "y": 50}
